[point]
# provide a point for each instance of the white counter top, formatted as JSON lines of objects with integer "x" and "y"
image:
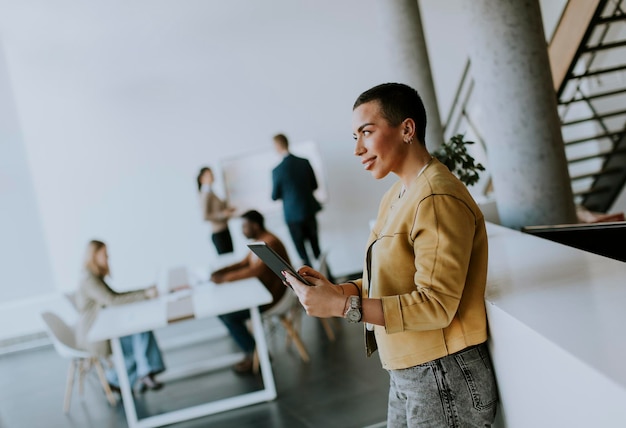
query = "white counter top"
{"x": 574, "y": 299}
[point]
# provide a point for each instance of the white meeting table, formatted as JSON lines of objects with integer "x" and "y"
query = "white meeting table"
{"x": 208, "y": 300}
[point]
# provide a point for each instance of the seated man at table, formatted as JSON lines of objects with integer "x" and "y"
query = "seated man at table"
{"x": 253, "y": 228}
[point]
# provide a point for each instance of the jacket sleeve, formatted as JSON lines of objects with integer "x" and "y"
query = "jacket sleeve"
{"x": 277, "y": 192}
{"x": 443, "y": 236}
{"x": 358, "y": 283}
{"x": 312, "y": 176}
{"x": 99, "y": 291}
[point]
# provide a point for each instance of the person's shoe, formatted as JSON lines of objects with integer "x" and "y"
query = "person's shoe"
{"x": 149, "y": 382}
{"x": 244, "y": 366}
{"x": 115, "y": 389}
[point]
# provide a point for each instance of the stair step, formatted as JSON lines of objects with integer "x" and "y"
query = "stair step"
{"x": 593, "y": 191}
{"x": 597, "y": 155}
{"x": 608, "y": 171}
{"x": 594, "y": 118}
{"x": 609, "y": 135}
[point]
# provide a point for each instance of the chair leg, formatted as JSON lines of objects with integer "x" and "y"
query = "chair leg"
{"x": 69, "y": 386}
{"x": 296, "y": 339}
{"x": 295, "y": 318}
{"x": 328, "y": 329}
{"x": 287, "y": 336}
{"x": 255, "y": 362}
{"x": 81, "y": 376}
{"x": 103, "y": 381}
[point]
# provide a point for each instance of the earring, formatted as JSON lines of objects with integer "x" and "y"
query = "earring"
{"x": 408, "y": 141}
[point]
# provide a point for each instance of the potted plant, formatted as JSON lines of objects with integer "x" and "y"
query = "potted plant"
{"x": 455, "y": 156}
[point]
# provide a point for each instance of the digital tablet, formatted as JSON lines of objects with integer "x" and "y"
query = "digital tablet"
{"x": 274, "y": 261}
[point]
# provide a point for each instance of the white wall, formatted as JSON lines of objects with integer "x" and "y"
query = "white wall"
{"x": 24, "y": 264}
{"x": 119, "y": 103}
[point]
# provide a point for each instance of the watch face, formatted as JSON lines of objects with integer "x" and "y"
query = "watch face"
{"x": 354, "y": 315}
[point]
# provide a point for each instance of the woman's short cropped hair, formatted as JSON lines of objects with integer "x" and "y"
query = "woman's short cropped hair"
{"x": 397, "y": 102}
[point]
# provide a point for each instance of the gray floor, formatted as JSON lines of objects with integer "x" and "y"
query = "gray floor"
{"x": 340, "y": 387}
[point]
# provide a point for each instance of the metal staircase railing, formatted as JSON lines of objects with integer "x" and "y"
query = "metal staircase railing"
{"x": 592, "y": 101}
{"x": 591, "y": 93}
{"x": 461, "y": 121}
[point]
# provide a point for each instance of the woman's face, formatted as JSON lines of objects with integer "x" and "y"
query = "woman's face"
{"x": 379, "y": 144}
{"x": 207, "y": 177}
{"x": 101, "y": 258}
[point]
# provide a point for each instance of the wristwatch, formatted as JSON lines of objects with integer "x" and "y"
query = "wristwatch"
{"x": 353, "y": 313}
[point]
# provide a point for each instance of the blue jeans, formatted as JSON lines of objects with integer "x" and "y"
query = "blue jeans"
{"x": 455, "y": 391}
{"x": 235, "y": 322}
{"x": 142, "y": 357}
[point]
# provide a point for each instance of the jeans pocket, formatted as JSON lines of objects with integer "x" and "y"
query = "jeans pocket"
{"x": 477, "y": 370}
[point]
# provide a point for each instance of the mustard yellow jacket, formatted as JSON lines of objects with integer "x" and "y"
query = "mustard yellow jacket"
{"x": 427, "y": 261}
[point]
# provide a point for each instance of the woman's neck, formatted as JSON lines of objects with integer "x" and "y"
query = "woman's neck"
{"x": 414, "y": 167}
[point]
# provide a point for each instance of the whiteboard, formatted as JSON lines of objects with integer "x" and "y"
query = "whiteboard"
{"x": 248, "y": 177}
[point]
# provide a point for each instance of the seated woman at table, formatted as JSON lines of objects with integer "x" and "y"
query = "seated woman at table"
{"x": 141, "y": 352}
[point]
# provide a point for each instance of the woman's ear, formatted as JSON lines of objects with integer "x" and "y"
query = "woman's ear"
{"x": 408, "y": 130}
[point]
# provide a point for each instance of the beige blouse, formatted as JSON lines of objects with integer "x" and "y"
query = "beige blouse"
{"x": 214, "y": 210}
{"x": 94, "y": 294}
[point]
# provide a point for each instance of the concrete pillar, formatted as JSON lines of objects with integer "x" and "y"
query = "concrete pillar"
{"x": 404, "y": 38}
{"x": 521, "y": 127}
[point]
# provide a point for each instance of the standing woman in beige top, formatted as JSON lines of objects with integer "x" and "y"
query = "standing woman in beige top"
{"x": 215, "y": 211}
{"x": 141, "y": 352}
{"x": 421, "y": 296}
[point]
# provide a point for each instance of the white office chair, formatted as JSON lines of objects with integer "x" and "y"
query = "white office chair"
{"x": 64, "y": 341}
{"x": 288, "y": 313}
{"x": 284, "y": 312}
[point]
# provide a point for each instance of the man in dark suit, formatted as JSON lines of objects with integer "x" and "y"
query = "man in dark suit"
{"x": 293, "y": 181}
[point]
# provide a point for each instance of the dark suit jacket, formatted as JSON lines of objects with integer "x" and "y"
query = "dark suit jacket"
{"x": 294, "y": 182}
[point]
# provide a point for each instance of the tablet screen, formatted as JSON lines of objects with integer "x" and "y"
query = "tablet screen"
{"x": 274, "y": 261}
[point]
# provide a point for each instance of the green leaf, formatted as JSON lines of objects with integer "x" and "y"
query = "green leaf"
{"x": 453, "y": 154}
